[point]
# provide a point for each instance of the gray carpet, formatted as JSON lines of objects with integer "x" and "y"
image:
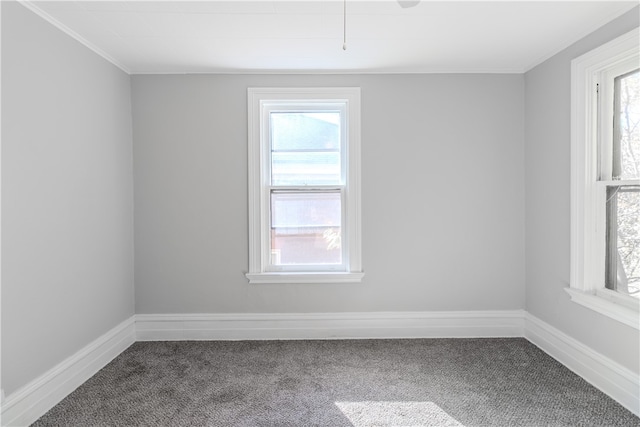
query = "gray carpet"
{"x": 355, "y": 383}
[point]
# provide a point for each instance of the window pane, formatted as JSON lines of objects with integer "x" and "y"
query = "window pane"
{"x": 305, "y": 148}
{"x": 305, "y": 131}
{"x": 623, "y": 239}
{"x": 306, "y": 228}
{"x": 626, "y": 129}
{"x": 305, "y": 168}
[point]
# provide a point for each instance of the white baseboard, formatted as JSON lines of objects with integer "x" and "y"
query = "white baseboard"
{"x": 30, "y": 402}
{"x": 459, "y": 324}
{"x": 33, "y": 400}
{"x": 610, "y": 377}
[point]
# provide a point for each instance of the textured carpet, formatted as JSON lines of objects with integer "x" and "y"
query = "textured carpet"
{"x": 356, "y": 383}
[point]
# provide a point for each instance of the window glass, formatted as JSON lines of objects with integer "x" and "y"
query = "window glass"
{"x": 306, "y": 228}
{"x": 622, "y": 261}
{"x": 626, "y": 139}
{"x": 305, "y": 148}
{"x": 623, "y": 239}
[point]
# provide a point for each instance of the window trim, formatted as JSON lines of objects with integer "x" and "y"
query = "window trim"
{"x": 586, "y": 285}
{"x": 259, "y": 206}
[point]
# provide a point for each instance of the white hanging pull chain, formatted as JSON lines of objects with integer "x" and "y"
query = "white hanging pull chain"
{"x": 344, "y": 28}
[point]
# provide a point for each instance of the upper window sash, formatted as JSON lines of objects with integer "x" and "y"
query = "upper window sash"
{"x": 604, "y": 82}
{"x": 269, "y": 107}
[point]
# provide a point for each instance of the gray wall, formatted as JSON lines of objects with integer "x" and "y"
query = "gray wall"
{"x": 67, "y": 202}
{"x": 548, "y": 167}
{"x": 443, "y": 195}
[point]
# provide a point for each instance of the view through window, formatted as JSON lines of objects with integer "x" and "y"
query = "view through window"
{"x": 623, "y": 200}
{"x": 306, "y": 187}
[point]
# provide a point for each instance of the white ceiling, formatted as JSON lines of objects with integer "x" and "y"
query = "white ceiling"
{"x": 242, "y": 36}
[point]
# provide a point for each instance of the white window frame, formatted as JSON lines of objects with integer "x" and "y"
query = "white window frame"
{"x": 589, "y": 74}
{"x": 260, "y": 101}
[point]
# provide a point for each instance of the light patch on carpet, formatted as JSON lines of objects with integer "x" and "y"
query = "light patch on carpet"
{"x": 396, "y": 414}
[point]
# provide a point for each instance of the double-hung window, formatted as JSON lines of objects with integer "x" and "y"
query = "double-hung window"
{"x": 304, "y": 185}
{"x": 605, "y": 210}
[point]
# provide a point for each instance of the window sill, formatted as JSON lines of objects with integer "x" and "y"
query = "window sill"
{"x": 617, "y": 307}
{"x": 328, "y": 277}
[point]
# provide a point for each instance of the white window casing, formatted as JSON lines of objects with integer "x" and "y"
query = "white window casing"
{"x": 261, "y": 101}
{"x": 592, "y": 73}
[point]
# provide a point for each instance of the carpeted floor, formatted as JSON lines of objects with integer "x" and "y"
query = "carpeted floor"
{"x": 357, "y": 383}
